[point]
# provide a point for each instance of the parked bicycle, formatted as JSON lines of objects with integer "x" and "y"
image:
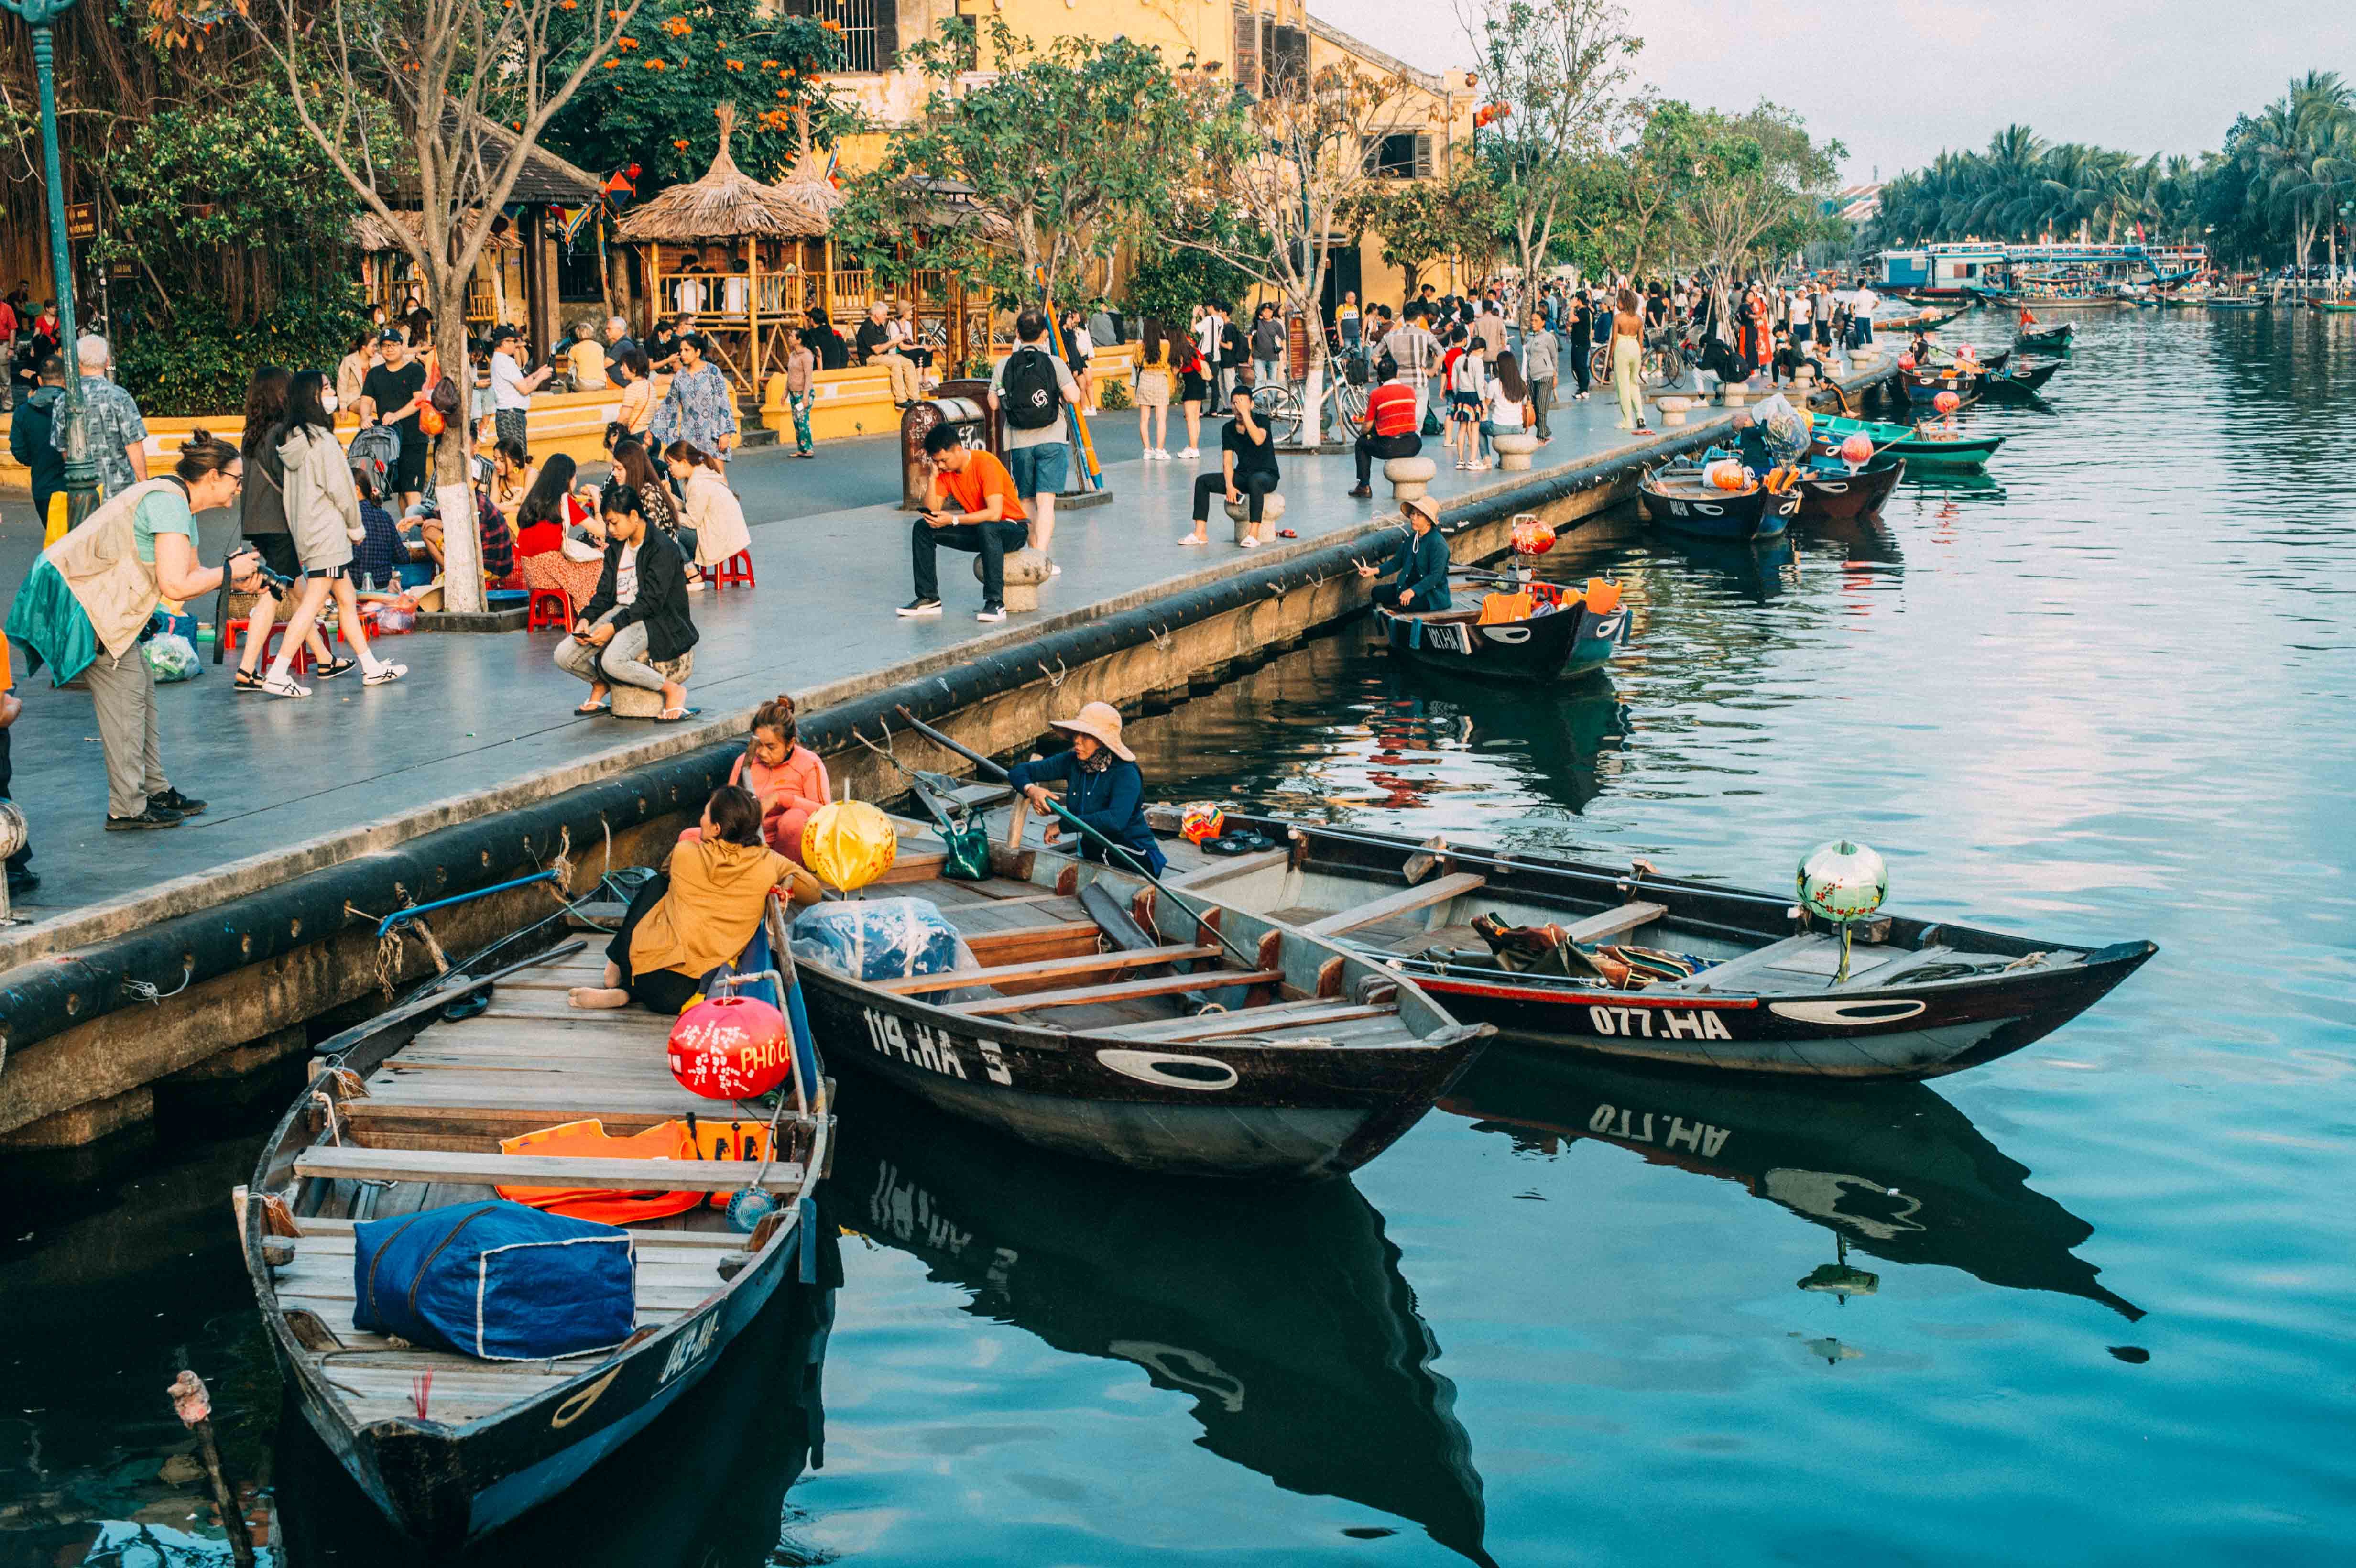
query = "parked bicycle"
{"x": 1668, "y": 358}
{"x": 1282, "y": 406}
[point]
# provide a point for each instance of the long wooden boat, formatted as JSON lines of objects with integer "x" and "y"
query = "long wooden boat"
{"x": 1837, "y": 495}
{"x": 1892, "y": 1169}
{"x": 1279, "y": 1314}
{"x": 2022, "y": 378}
{"x": 1091, "y": 1024}
{"x": 1676, "y": 497}
{"x": 1579, "y": 632}
{"x": 406, "y": 1113}
{"x": 1925, "y": 382}
{"x": 2045, "y": 339}
{"x": 2238, "y": 301}
{"x": 1922, "y": 998}
{"x": 2335, "y": 307}
{"x": 1920, "y": 446}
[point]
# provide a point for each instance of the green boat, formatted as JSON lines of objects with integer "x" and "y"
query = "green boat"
{"x": 1921, "y": 448}
{"x": 2336, "y": 306}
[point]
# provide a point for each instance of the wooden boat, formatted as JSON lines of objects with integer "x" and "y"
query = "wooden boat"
{"x": 406, "y": 1113}
{"x": 1892, "y": 1169}
{"x": 1922, "y": 998}
{"x": 1921, "y": 446}
{"x": 1279, "y": 1313}
{"x": 1578, "y": 633}
{"x": 1090, "y": 1023}
{"x": 1925, "y": 382}
{"x": 2238, "y": 301}
{"x": 1677, "y": 497}
{"x": 2022, "y": 378}
{"x": 2044, "y": 340}
{"x": 2336, "y": 307}
{"x": 1829, "y": 493}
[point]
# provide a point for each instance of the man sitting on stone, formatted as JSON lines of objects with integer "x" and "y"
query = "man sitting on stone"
{"x": 970, "y": 504}
{"x": 1390, "y": 428}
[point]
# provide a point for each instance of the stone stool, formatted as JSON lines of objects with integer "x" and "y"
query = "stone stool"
{"x": 1673, "y": 409}
{"x": 1025, "y": 569}
{"x": 1410, "y": 477}
{"x": 636, "y": 701}
{"x": 1239, "y": 513}
{"x": 1514, "y": 449}
{"x": 1732, "y": 394}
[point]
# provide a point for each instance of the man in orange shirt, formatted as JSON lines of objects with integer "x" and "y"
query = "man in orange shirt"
{"x": 970, "y": 504}
{"x": 22, "y": 878}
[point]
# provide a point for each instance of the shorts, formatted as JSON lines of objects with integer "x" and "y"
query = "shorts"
{"x": 1038, "y": 469}
{"x": 407, "y": 473}
{"x": 513, "y": 424}
{"x": 1192, "y": 388}
{"x": 277, "y": 553}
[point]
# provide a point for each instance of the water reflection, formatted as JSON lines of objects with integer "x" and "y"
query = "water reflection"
{"x": 1281, "y": 1312}
{"x": 1893, "y": 1170}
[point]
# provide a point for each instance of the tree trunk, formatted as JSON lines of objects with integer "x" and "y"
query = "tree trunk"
{"x": 453, "y": 490}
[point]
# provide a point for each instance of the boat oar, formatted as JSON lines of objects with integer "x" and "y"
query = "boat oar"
{"x": 1130, "y": 858}
{"x": 754, "y": 1203}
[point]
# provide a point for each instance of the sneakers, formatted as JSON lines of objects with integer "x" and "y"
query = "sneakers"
{"x": 1053, "y": 569}
{"x": 1192, "y": 451}
{"x": 384, "y": 674}
{"x": 921, "y": 607}
{"x": 284, "y": 686}
{"x": 991, "y": 611}
{"x": 151, "y": 818}
{"x": 695, "y": 585}
{"x": 172, "y": 800}
{"x": 1362, "y": 492}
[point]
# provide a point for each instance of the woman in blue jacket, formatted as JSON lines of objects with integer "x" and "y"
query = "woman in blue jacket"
{"x": 1102, "y": 787}
{"x": 1420, "y": 563}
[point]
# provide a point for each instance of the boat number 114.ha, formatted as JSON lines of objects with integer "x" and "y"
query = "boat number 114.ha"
{"x": 921, "y": 1045}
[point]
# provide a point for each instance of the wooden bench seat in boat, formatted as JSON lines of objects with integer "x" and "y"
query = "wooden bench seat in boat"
{"x": 1439, "y": 891}
{"x": 553, "y": 1171}
{"x": 1080, "y": 995}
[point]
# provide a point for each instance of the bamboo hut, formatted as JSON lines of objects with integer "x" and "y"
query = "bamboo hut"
{"x": 744, "y": 261}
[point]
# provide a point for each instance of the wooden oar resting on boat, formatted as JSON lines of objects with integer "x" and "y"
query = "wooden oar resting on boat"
{"x": 408, "y": 1113}
{"x": 1631, "y": 963}
{"x": 1100, "y": 1016}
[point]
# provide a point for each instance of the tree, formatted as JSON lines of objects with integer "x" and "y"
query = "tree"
{"x": 1423, "y": 222}
{"x": 1755, "y": 178}
{"x": 1558, "y": 69}
{"x": 433, "y": 74}
{"x": 1167, "y": 281}
{"x": 1294, "y": 164}
{"x": 1051, "y": 163}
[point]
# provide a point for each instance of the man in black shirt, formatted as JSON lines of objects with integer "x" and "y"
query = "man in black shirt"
{"x": 392, "y": 394}
{"x": 1247, "y": 468}
{"x": 662, "y": 345}
{"x": 825, "y": 342}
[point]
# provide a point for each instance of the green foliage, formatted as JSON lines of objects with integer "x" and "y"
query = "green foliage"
{"x": 1055, "y": 160}
{"x": 1559, "y": 69}
{"x": 1114, "y": 395}
{"x": 650, "y": 102}
{"x": 1424, "y": 222}
{"x": 1168, "y": 282}
{"x": 198, "y": 361}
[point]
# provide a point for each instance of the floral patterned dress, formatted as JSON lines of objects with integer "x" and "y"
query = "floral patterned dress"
{"x": 699, "y": 408}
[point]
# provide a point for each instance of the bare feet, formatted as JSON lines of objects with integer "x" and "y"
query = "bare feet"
{"x": 603, "y": 998}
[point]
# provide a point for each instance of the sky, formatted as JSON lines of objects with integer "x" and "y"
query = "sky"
{"x": 2166, "y": 76}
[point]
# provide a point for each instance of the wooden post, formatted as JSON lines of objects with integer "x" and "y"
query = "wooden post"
{"x": 193, "y": 1403}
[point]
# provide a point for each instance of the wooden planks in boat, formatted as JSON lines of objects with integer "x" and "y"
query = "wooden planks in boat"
{"x": 1219, "y": 872}
{"x": 329, "y": 1230}
{"x": 1045, "y": 969}
{"x": 1283, "y": 1017}
{"x": 1078, "y": 996}
{"x": 329, "y": 1161}
{"x": 1612, "y": 921}
{"x": 1439, "y": 891}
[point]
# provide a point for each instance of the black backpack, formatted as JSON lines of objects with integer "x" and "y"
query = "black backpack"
{"x": 1029, "y": 390}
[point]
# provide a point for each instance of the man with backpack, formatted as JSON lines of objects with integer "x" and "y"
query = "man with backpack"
{"x": 1032, "y": 388}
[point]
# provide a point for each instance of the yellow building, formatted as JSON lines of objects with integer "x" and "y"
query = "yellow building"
{"x": 1251, "y": 42}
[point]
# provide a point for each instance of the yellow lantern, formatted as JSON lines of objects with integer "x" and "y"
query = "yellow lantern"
{"x": 847, "y": 844}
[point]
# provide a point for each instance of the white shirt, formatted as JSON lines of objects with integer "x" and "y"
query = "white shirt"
{"x": 626, "y": 576}
{"x": 507, "y": 383}
{"x": 1505, "y": 412}
{"x": 1864, "y": 301}
{"x": 1206, "y": 337}
{"x": 1804, "y": 309}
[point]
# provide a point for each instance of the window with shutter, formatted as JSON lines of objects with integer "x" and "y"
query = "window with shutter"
{"x": 1246, "y": 65}
{"x": 1423, "y": 157}
{"x": 871, "y": 29}
{"x": 1288, "y": 62}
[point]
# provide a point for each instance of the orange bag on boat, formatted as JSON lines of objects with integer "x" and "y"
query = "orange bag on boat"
{"x": 588, "y": 1139}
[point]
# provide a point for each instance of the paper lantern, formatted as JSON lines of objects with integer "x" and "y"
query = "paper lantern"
{"x": 1906, "y": 361}
{"x": 1946, "y": 402}
{"x": 731, "y": 1048}
{"x": 1203, "y": 820}
{"x": 1533, "y": 536}
{"x": 1856, "y": 448}
{"x": 847, "y": 844}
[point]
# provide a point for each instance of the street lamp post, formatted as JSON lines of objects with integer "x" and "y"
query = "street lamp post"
{"x": 82, "y": 471}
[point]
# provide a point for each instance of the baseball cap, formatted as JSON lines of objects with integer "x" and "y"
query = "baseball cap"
{"x": 389, "y": 335}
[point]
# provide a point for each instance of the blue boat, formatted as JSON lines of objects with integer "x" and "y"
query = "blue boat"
{"x": 1679, "y": 498}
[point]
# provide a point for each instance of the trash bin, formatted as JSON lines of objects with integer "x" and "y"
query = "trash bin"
{"x": 964, "y": 404}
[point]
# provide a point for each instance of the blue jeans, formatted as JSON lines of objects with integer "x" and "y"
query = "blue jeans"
{"x": 1267, "y": 372}
{"x": 1039, "y": 468}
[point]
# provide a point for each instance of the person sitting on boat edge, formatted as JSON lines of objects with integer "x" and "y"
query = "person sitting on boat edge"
{"x": 1104, "y": 787}
{"x": 1419, "y": 563}
{"x": 786, "y": 778}
{"x": 698, "y": 911}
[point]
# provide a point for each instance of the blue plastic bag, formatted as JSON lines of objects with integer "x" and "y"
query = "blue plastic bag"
{"x": 495, "y": 1280}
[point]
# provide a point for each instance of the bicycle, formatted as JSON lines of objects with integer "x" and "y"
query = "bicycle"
{"x": 1282, "y": 407}
{"x": 1667, "y": 360}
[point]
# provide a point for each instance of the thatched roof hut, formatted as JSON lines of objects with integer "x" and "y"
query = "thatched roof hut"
{"x": 729, "y": 204}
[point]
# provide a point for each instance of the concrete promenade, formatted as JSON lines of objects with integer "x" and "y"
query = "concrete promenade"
{"x": 486, "y": 721}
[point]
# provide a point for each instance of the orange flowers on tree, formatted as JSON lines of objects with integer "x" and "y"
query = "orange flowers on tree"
{"x": 677, "y": 28}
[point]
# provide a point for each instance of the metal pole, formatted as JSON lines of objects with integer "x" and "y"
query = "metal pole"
{"x": 82, "y": 471}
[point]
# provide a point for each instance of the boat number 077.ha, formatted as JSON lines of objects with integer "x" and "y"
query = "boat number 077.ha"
{"x": 1690, "y": 1024}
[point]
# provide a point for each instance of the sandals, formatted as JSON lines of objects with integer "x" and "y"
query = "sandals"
{"x": 586, "y": 708}
{"x": 1190, "y": 540}
{"x": 246, "y": 681}
{"x": 673, "y": 715}
{"x": 335, "y": 667}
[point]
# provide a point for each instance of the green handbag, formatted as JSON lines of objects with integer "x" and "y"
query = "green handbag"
{"x": 967, "y": 843}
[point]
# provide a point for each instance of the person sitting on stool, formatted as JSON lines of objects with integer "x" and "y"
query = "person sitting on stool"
{"x": 1103, "y": 787}
{"x": 1419, "y": 563}
{"x": 636, "y": 630}
{"x": 970, "y": 504}
{"x": 1246, "y": 467}
{"x": 1390, "y": 428}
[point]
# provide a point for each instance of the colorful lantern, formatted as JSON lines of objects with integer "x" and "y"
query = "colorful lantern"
{"x": 731, "y": 1048}
{"x": 847, "y": 844}
{"x": 1946, "y": 402}
{"x": 1906, "y": 361}
{"x": 1533, "y": 536}
{"x": 1727, "y": 475}
{"x": 1857, "y": 448}
{"x": 1203, "y": 820}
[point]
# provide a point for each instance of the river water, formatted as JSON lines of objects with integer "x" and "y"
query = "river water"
{"x": 2089, "y": 1303}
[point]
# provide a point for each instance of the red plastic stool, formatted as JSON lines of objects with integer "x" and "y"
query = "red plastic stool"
{"x": 737, "y": 569}
{"x": 550, "y": 607}
{"x": 235, "y": 633}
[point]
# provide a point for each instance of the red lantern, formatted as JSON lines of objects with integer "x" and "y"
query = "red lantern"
{"x": 1535, "y": 536}
{"x": 1906, "y": 361}
{"x": 1856, "y": 448}
{"x": 1946, "y": 402}
{"x": 731, "y": 1048}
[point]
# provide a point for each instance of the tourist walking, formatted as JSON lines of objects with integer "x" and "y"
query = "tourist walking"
{"x": 1348, "y": 327}
{"x": 1581, "y": 318}
{"x": 112, "y": 429}
{"x": 1034, "y": 389}
{"x": 637, "y": 414}
{"x": 32, "y": 429}
{"x": 1210, "y": 329}
{"x": 1538, "y": 363}
{"x": 1153, "y": 375}
{"x": 970, "y": 505}
{"x": 699, "y": 408}
{"x": 391, "y": 395}
{"x": 1627, "y": 361}
{"x": 1267, "y": 347}
{"x": 1415, "y": 352}
{"x": 86, "y": 603}
{"x": 1193, "y": 390}
{"x": 1392, "y": 429}
{"x": 1247, "y": 474}
{"x": 262, "y": 521}
{"x": 636, "y": 630}
{"x": 801, "y": 391}
{"x": 323, "y": 517}
{"x": 1232, "y": 353}
{"x": 878, "y": 346}
{"x": 1079, "y": 348}
{"x": 1861, "y": 319}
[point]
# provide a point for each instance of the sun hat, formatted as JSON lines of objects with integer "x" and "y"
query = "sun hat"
{"x": 1427, "y": 506}
{"x": 1100, "y": 721}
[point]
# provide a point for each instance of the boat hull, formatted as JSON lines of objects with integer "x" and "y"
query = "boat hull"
{"x": 1902, "y": 441}
{"x": 1841, "y": 496}
{"x": 2045, "y": 342}
{"x": 1925, "y": 385}
{"x": 1560, "y": 646}
{"x": 1759, "y": 515}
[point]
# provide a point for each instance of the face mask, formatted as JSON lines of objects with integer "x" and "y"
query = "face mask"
{"x": 327, "y": 401}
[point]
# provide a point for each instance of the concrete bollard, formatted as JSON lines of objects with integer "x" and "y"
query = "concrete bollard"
{"x": 1673, "y": 409}
{"x": 1239, "y": 514}
{"x": 636, "y": 701}
{"x": 1734, "y": 394}
{"x": 1514, "y": 449}
{"x": 1026, "y": 569}
{"x": 1410, "y": 477}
